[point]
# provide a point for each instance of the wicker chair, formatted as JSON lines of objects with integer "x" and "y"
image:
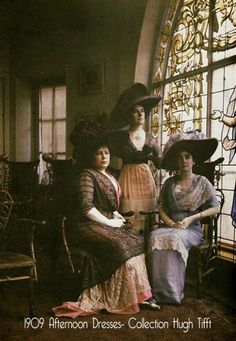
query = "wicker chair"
{"x": 201, "y": 260}
{"x": 20, "y": 179}
{"x": 17, "y": 255}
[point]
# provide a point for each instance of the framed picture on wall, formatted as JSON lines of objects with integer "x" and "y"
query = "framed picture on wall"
{"x": 92, "y": 78}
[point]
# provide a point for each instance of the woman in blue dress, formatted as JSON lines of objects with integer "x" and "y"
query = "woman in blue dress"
{"x": 184, "y": 200}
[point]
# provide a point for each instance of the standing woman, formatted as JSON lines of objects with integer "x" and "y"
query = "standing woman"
{"x": 185, "y": 199}
{"x": 135, "y": 147}
{"x": 113, "y": 272}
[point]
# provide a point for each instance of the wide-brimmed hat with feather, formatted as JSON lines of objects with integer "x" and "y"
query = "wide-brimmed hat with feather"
{"x": 194, "y": 142}
{"x": 137, "y": 94}
{"x": 87, "y": 136}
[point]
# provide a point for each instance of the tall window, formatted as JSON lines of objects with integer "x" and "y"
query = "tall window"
{"x": 52, "y": 122}
{"x": 195, "y": 75}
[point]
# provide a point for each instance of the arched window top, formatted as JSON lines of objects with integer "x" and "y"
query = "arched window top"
{"x": 196, "y": 44}
{"x": 195, "y": 34}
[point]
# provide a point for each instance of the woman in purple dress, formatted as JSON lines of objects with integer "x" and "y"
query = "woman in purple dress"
{"x": 184, "y": 200}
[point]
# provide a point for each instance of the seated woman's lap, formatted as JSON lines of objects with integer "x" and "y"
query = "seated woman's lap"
{"x": 189, "y": 236}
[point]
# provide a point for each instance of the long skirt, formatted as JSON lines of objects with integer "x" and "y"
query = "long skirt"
{"x": 139, "y": 192}
{"x": 167, "y": 274}
{"x": 105, "y": 250}
{"x": 121, "y": 294}
{"x": 166, "y": 261}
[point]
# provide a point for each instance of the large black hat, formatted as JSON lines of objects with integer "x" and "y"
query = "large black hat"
{"x": 194, "y": 142}
{"x": 87, "y": 136}
{"x": 137, "y": 94}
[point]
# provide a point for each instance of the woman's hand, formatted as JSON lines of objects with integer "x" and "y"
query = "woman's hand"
{"x": 116, "y": 222}
{"x": 184, "y": 223}
{"x": 94, "y": 215}
{"x": 177, "y": 225}
{"x": 117, "y": 215}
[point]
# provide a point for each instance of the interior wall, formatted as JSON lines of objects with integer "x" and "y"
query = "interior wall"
{"x": 109, "y": 36}
{"x": 4, "y": 93}
{"x": 153, "y": 17}
{"x": 23, "y": 121}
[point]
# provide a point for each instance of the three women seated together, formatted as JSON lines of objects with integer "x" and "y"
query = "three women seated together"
{"x": 119, "y": 274}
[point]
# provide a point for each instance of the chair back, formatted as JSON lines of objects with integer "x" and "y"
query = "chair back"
{"x": 19, "y": 237}
{"x": 20, "y": 179}
{"x": 60, "y": 173}
{"x": 209, "y": 224}
{"x": 208, "y": 169}
{"x": 6, "y": 203}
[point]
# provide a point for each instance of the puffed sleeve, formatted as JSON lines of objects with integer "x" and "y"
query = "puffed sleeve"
{"x": 85, "y": 187}
{"x": 209, "y": 195}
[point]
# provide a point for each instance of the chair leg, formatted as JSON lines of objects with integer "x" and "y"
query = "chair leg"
{"x": 32, "y": 309}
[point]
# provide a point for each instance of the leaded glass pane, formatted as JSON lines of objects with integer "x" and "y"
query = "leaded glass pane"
{"x": 184, "y": 104}
{"x": 230, "y": 76}
{"x": 190, "y": 40}
{"x": 226, "y": 230}
{"x": 159, "y": 71}
{"x": 218, "y": 80}
{"x": 224, "y": 33}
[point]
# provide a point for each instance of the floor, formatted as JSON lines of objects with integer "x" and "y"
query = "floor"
{"x": 205, "y": 319}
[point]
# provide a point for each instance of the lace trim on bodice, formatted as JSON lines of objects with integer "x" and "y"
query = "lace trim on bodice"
{"x": 168, "y": 241}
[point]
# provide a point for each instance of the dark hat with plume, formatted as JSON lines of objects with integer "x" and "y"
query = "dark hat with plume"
{"x": 88, "y": 136}
{"x": 137, "y": 94}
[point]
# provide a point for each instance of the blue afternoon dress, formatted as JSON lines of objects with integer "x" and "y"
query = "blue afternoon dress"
{"x": 169, "y": 247}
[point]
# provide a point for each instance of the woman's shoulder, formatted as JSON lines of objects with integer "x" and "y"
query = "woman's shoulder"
{"x": 170, "y": 180}
{"x": 202, "y": 179}
{"x": 87, "y": 173}
{"x": 204, "y": 183}
{"x": 90, "y": 171}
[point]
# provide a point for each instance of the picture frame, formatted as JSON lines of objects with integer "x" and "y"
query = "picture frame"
{"x": 92, "y": 78}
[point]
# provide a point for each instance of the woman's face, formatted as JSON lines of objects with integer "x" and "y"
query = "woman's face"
{"x": 102, "y": 158}
{"x": 137, "y": 115}
{"x": 185, "y": 161}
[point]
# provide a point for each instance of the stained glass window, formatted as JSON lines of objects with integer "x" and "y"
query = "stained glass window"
{"x": 195, "y": 73}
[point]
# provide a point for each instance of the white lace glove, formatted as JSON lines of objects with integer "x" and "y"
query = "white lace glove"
{"x": 117, "y": 215}
{"x": 94, "y": 215}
